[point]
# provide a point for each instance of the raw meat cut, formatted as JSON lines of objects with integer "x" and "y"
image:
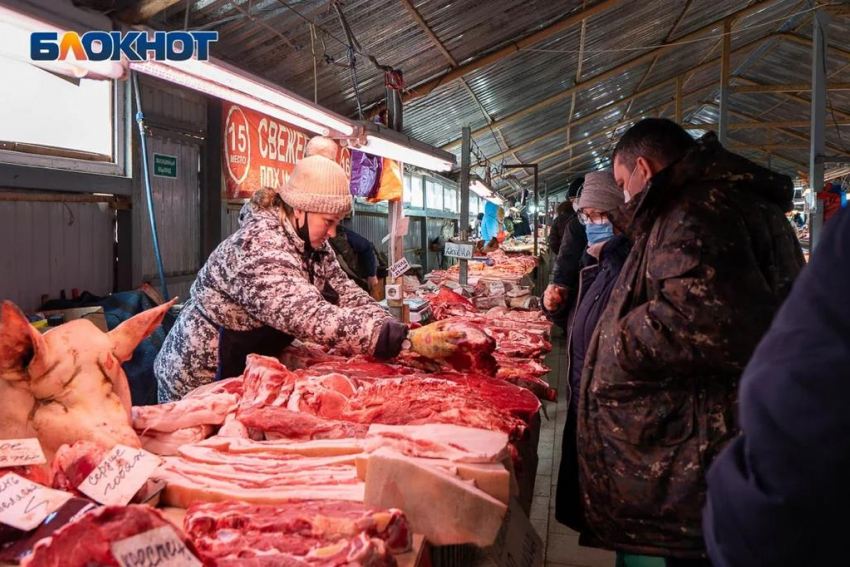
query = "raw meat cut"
{"x": 440, "y": 441}
{"x": 526, "y": 372}
{"x": 226, "y": 386}
{"x": 446, "y": 303}
{"x": 39, "y": 474}
{"x": 300, "y": 355}
{"x": 210, "y": 472}
{"x": 474, "y": 348}
{"x": 86, "y": 541}
{"x": 361, "y": 367}
{"x": 315, "y": 533}
{"x": 442, "y": 507}
{"x": 515, "y": 315}
{"x": 192, "y": 411}
{"x": 167, "y": 443}
{"x": 68, "y": 385}
{"x": 472, "y": 401}
{"x": 321, "y": 448}
{"x": 233, "y": 428}
{"x": 287, "y": 424}
{"x": 72, "y": 464}
{"x": 266, "y": 383}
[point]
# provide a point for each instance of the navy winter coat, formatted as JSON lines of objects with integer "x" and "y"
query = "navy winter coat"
{"x": 596, "y": 282}
{"x": 595, "y": 285}
{"x": 779, "y": 494}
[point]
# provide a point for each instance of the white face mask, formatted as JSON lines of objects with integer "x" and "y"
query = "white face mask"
{"x": 627, "y": 188}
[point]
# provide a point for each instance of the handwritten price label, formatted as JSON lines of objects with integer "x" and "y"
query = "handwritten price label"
{"x": 458, "y": 250}
{"x": 399, "y": 268}
{"x": 160, "y": 547}
{"x": 20, "y": 453}
{"x": 121, "y": 473}
{"x": 25, "y": 504}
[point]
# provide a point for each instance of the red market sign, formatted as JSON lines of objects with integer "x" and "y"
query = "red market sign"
{"x": 261, "y": 151}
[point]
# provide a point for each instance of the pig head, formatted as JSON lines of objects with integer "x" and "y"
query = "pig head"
{"x": 68, "y": 385}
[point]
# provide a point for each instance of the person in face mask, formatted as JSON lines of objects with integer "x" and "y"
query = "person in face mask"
{"x": 277, "y": 279}
{"x": 712, "y": 259}
{"x": 559, "y": 295}
{"x": 607, "y": 250}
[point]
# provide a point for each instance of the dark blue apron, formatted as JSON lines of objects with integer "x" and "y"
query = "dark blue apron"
{"x": 235, "y": 346}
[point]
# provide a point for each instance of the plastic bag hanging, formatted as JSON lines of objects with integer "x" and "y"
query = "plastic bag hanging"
{"x": 365, "y": 174}
{"x": 391, "y": 187}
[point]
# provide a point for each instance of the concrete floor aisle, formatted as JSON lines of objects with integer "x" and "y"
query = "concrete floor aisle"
{"x": 562, "y": 548}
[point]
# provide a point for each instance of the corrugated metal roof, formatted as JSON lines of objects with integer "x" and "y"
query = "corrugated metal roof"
{"x": 275, "y": 42}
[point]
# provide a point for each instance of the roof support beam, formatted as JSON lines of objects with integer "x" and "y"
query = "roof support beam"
{"x": 767, "y": 147}
{"x": 667, "y": 38}
{"x": 609, "y": 107}
{"x": 619, "y": 69}
{"x": 515, "y": 46}
{"x": 787, "y": 88}
{"x": 789, "y": 133}
{"x": 757, "y": 124}
{"x": 414, "y": 13}
{"x": 591, "y": 116}
{"x": 798, "y": 99}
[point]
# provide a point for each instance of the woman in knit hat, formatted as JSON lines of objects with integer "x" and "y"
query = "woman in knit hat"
{"x": 604, "y": 257}
{"x": 274, "y": 280}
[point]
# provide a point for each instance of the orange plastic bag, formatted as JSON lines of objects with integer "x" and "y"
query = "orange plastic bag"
{"x": 391, "y": 187}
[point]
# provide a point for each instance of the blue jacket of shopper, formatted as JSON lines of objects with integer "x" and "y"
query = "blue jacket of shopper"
{"x": 778, "y": 495}
{"x": 489, "y": 224}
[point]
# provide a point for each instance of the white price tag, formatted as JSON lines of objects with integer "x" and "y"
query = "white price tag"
{"x": 20, "y": 453}
{"x": 160, "y": 547}
{"x": 121, "y": 473}
{"x": 25, "y": 504}
{"x": 497, "y": 288}
{"x": 517, "y": 544}
{"x": 458, "y": 250}
{"x": 399, "y": 268}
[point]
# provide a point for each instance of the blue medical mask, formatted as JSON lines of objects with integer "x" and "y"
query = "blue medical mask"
{"x": 599, "y": 232}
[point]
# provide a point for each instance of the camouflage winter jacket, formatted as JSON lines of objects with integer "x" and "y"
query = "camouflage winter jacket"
{"x": 260, "y": 276}
{"x": 713, "y": 259}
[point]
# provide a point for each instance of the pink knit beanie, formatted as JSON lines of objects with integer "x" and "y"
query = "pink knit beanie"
{"x": 317, "y": 185}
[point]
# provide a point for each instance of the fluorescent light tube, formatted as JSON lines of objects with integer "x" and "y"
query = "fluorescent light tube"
{"x": 236, "y": 79}
{"x": 15, "y": 30}
{"x": 480, "y": 189}
{"x": 174, "y": 75}
{"x": 392, "y": 150}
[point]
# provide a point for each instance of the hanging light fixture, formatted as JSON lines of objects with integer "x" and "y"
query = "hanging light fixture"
{"x": 15, "y": 30}
{"x": 178, "y": 77}
{"x": 381, "y": 141}
{"x": 233, "y": 78}
{"x": 216, "y": 78}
